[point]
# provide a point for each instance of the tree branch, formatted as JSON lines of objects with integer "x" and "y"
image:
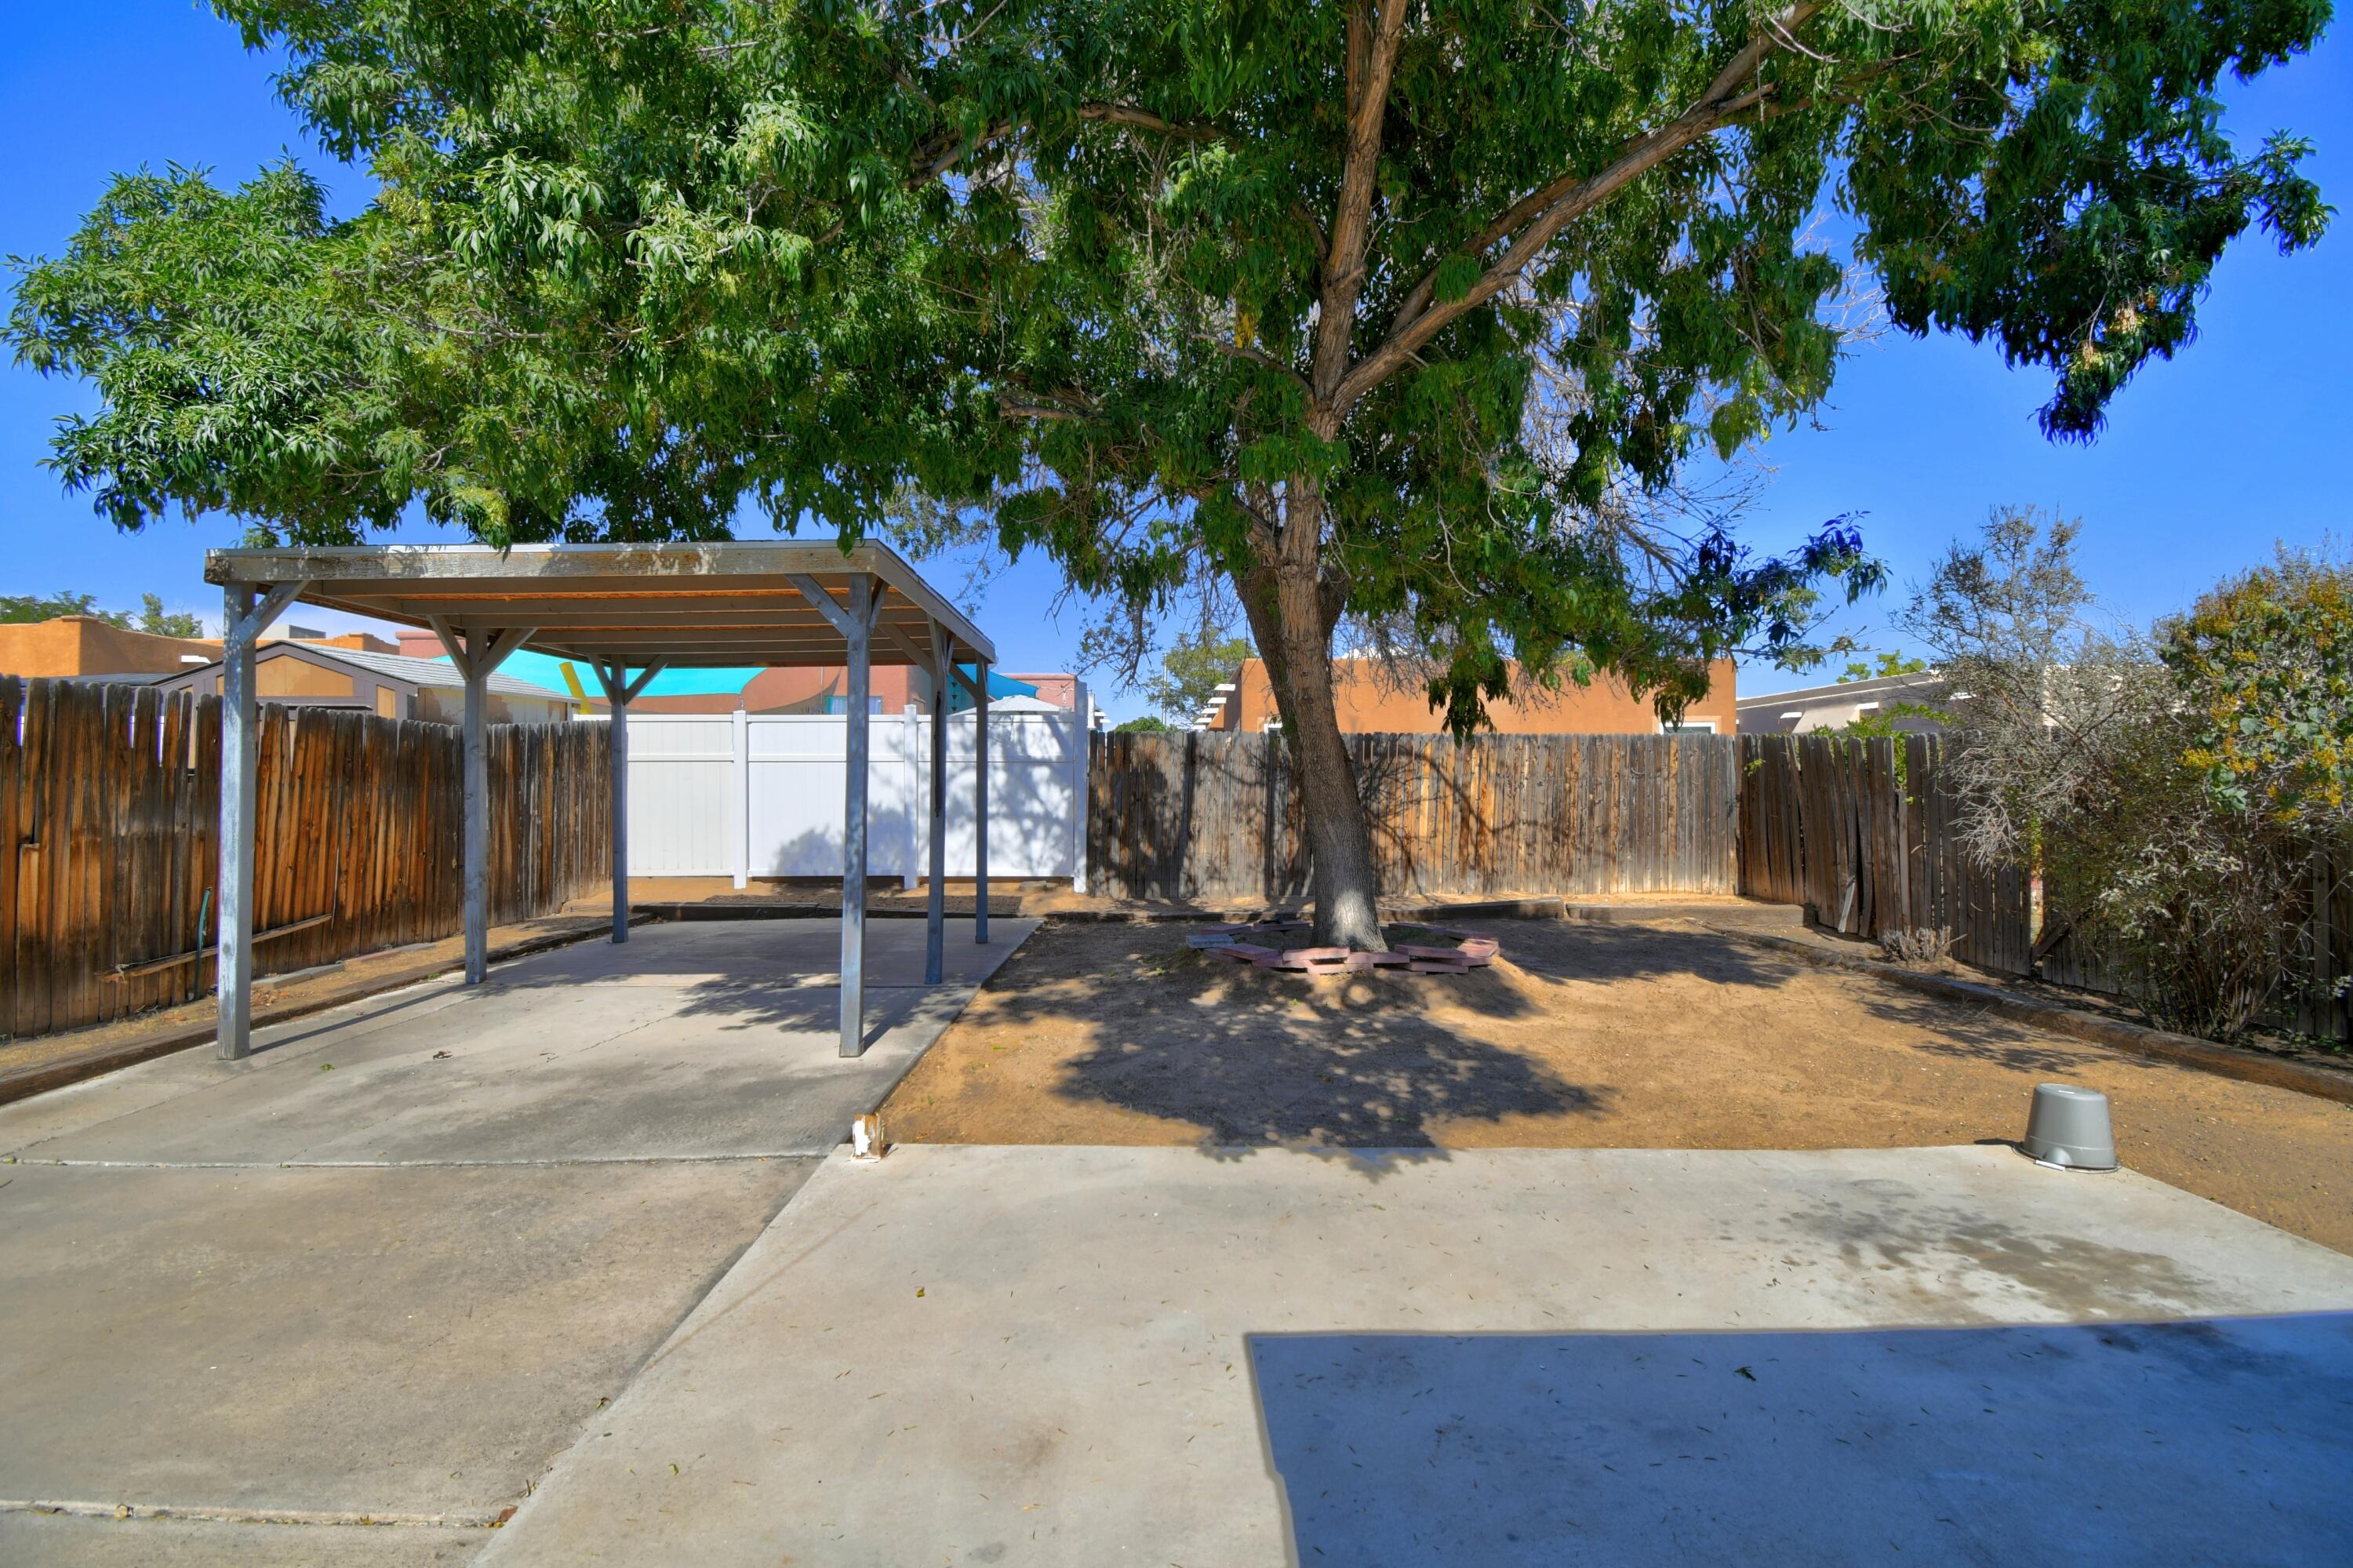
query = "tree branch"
{"x": 936, "y": 155}
{"x": 1777, "y": 31}
{"x": 1144, "y": 120}
{"x": 1372, "y": 63}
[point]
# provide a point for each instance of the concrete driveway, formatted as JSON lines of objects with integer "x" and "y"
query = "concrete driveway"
{"x": 370, "y": 1282}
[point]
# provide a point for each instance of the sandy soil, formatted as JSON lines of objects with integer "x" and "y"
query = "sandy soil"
{"x": 1582, "y": 1035}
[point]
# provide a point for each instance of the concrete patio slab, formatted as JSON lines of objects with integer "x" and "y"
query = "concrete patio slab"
{"x": 62, "y": 1540}
{"x": 383, "y": 1342}
{"x": 690, "y": 1042}
{"x": 1045, "y": 1355}
{"x": 385, "y": 1269}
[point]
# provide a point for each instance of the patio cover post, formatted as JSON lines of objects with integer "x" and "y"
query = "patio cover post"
{"x": 247, "y": 613}
{"x": 979, "y": 690}
{"x": 853, "y": 818}
{"x": 619, "y": 690}
{"x": 935, "y": 907}
{"x": 980, "y": 806}
{"x": 478, "y": 654}
{"x": 856, "y": 624}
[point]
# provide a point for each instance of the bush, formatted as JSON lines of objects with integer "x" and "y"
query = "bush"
{"x": 2173, "y": 788}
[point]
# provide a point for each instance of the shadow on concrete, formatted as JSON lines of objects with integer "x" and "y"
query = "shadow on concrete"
{"x": 2206, "y": 1441}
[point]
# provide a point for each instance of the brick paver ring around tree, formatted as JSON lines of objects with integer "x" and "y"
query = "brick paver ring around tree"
{"x": 1236, "y": 944}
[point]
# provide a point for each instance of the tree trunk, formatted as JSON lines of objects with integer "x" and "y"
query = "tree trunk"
{"x": 1292, "y": 624}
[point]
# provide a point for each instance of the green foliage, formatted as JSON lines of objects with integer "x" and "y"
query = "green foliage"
{"x": 157, "y": 622}
{"x": 2172, "y": 791}
{"x": 153, "y": 617}
{"x": 1147, "y": 725}
{"x": 15, "y": 610}
{"x": 635, "y": 262}
{"x": 1192, "y": 670}
{"x": 2265, "y": 666}
{"x": 1886, "y": 666}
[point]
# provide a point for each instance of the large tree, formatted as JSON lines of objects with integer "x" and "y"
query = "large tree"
{"x": 1401, "y": 311}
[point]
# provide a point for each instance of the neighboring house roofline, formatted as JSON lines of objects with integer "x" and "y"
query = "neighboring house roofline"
{"x": 421, "y": 672}
{"x": 1875, "y": 687}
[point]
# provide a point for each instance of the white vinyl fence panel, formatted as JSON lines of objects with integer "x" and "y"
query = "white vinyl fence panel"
{"x": 760, "y": 795}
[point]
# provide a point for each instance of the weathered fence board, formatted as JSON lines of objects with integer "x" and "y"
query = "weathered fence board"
{"x": 1873, "y": 847}
{"x": 109, "y": 804}
{"x": 1208, "y": 816}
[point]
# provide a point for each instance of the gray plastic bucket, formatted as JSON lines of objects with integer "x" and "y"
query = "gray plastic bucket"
{"x": 2069, "y": 1127}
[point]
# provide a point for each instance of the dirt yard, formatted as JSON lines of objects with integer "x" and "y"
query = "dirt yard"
{"x": 1581, "y": 1035}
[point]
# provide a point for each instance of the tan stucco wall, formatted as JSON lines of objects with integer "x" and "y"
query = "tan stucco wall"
{"x": 1370, "y": 705}
{"x": 450, "y": 707}
{"x": 288, "y": 675}
{"x": 83, "y": 645}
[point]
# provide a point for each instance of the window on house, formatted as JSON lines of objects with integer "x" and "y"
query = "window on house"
{"x": 1688, "y": 727}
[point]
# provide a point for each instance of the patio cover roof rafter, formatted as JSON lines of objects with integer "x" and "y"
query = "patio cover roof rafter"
{"x": 618, "y": 608}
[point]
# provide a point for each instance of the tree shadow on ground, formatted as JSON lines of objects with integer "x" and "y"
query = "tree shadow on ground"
{"x": 1960, "y": 1032}
{"x": 1590, "y": 950}
{"x": 1254, "y": 1058}
{"x": 1343, "y": 1072}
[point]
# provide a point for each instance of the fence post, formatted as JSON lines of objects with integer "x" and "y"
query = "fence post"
{"x": 909, "y": 778}
{"x": 1081, "y": 750}
{"x": 742, "y": 742}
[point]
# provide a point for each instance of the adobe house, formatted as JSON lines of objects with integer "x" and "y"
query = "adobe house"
{"x": 339, "y": 674}
{"x": 1373, "y": 700}
{"x": 70, "y": 646}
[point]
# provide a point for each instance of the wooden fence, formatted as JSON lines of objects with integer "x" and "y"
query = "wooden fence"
{"x": 1862, "y": 835}
{"x": 1833, "y": 824}
{"x": 1209, "y": 816}
{"x": 109, "y": 812}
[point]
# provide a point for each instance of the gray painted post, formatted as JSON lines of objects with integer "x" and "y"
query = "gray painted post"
{"x": 980, "y": 809}
{"x": 478, "y": 830}
{"x": 478, "y": 654}
{"x": 935, "y": 907}
{"x": 244, "y": 616}
{"x": 618, "y": 692}
{"x": 859, "y": 634}
{"x": 240, "y": 771}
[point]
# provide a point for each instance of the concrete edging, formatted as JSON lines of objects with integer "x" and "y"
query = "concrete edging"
{"x": 131, "y": 1053}
{"x": 2134, "y": 1039}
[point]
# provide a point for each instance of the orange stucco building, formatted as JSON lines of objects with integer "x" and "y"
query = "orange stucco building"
{"x": 69, "y": 645}
{"x": 1371, "y": 702}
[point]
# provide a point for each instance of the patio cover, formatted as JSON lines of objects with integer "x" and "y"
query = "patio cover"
{"x": 629, "y": 611}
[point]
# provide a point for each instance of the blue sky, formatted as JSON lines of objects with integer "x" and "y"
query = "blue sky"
{"x": 2207, "y": 462}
